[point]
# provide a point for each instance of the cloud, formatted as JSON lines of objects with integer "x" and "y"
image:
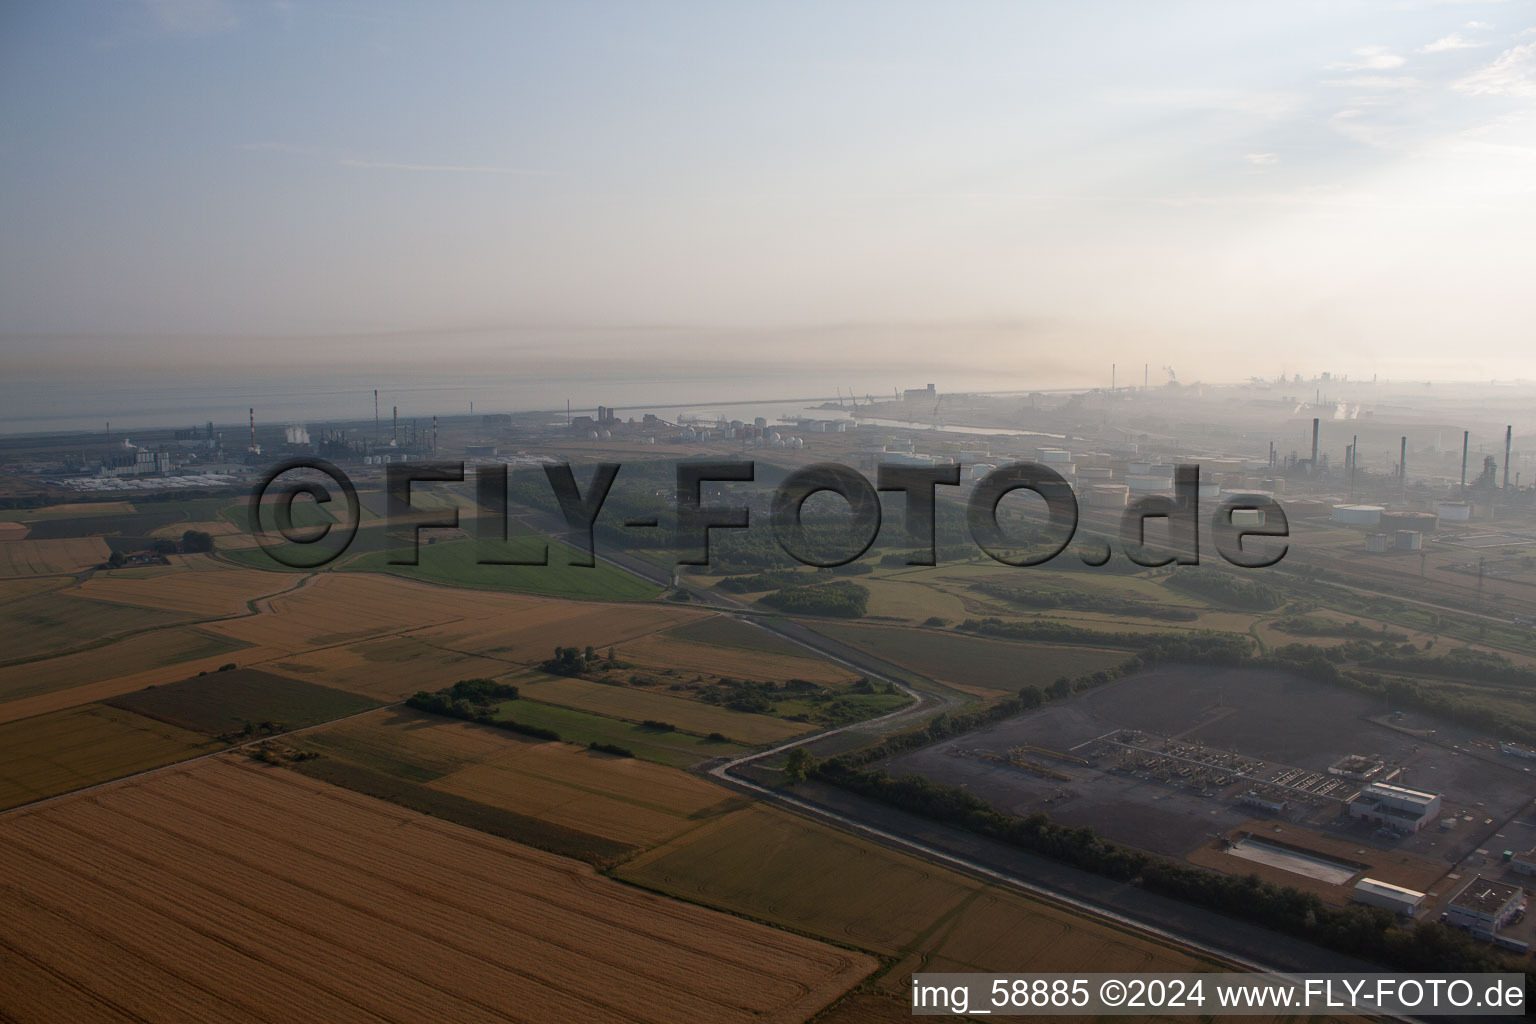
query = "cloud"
{"x": 1376, "y": 82}
{"x": 1348, "y": 123}
{"x": 1454, "y": 41}
{"x": 1262, "y": 159}
{"x": 1478, "y": 25}
{"x": 1512, "y": 73}
{"x": 1371, "y": 58}
{"x": 192, "y": 17}
{"x": 1272, "y": 105}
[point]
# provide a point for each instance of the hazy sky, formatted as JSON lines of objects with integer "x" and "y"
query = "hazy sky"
{"x": 1233, "y": 188}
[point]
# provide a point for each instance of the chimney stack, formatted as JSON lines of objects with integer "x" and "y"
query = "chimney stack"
{"x": 1314, "y": 444}
{"x": 1464, "y": 436}
{"x": 253, "y": 429}
{"x": 1509, "y": 437}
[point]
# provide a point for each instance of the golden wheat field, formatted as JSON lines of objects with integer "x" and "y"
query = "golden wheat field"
{"x": 210, "y": 593}
{"x": 14, "y": 531}
{"x": 236, "y": 892}
{"x": 45, "y": 557}
{"x": 628, "y": 800}
{"x": 389, "y": 668}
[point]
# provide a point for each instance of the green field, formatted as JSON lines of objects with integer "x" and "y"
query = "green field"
{"x": 727, "y": 631}
{"x": 50, "y": 623}
{"x": 455, "y": 563}
{"x": 974, "y": 661}
{"x": 65, "y": 750}
{"x": 224, "y": 702}
{"x": 679, "y": 749}
{"x": 637, "y": 705}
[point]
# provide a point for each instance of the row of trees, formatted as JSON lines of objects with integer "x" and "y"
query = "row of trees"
{"x": 1030, "y": 597}
{"x": 842, "y": 600}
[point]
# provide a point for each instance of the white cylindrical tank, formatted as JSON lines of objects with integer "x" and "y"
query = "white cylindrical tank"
{"x": 1376, "y": 543}
{"x": 981, "y": 469}
{"x": 1247, "y": 518}
{"x": 1357, "y": 515}
{"x": 1095, "y": 473}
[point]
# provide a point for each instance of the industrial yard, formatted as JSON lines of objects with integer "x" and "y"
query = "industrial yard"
{"x": 1176, "y": 759}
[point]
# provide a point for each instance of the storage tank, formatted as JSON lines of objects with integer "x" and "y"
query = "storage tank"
{"x": 1106, "y": 495}
{"x": 1357, "y": 515}
{"x": 1247, "y": 518}
{"x": 1209, "y": 489}
{"x": 1409, "y": 540}
{"x": 1454, "y": 511}
{"x": 1376, "y": 543}
{"x": 1094, "y": 473}
{"x": 1053, "y": 455}
{"x": 981, "y": 469}
{"x": 1148, "y": 483}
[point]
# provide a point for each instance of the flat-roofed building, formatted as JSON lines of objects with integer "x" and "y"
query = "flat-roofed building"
{"x": 1399, "y": 807}
{"x": 1384, "y": 894}
{"x": 1484, "y": 906}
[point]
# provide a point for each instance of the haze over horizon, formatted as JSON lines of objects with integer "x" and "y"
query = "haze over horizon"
{"x": 993, "y": 190}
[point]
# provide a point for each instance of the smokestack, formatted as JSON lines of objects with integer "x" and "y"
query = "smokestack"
{"x": 1402, "y": 462}
{"x": 1464, "y": 435}
{"x": 568, "y": 411}
{"x": 1509, "y": 437}
{"x": 1271, "y": 455}
{"x": 1111, "y": 376}
{"x": 375, "y": 415}
{"x": 1146, "y": 374}
{"x": 394, "y": 424}
{"x": 253, "y": 429}
{"x": 1349, "y": 457}
{"x": 434, "y": 433}
{"x": 1314, "y": 444}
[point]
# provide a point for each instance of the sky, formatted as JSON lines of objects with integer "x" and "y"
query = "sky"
{"x": 986, "y": 188}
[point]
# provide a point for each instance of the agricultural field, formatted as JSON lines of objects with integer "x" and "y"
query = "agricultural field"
{"x": 134, "y": 524}
{"x": 56, "y": 753}
{"x": 13, "y": 531}
{"x": 21, "y": 588}
{"x": 51, "y": 623}
{"x": 974, "y": 664}
{"x": 669, "y": 651}
{"x": 455, "y": 563}
{"x": 67, "y": 510}
{"x": 245, "y": 893}
{"x": 225, "y": 702}
{"x": 730, "y": 631}
{"x": 774, "y": 866}
{"x": 34, "y": 557}
{"x": 208, "y": 594}
{"x": 679, "y": 749}
{"x": 638, "y": 705}
{"x": 626, "y": 800}
{"x": 388, "y": 669}
{"x": 145, "y": 659}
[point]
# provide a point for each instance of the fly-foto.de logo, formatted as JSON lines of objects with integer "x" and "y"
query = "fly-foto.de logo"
{"x": 1232, "y": 520}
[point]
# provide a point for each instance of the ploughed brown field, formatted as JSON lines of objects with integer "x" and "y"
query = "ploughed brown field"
{"x": 230, "y": 891}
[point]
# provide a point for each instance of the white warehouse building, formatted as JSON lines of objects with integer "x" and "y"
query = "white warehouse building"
{"x": 1398, "y": 807}
{"x": 1384, "y": 894}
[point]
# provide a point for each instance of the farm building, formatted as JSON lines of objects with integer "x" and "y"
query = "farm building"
{"x": 1384, "y": 894}
{"x": 1485, "y": 906}
{"x": 1395, "y": 806}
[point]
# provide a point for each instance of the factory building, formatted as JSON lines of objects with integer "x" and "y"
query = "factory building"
{"x": 1357, "y": 515}
{"x": 1485, "y": 906}
{"x": 1397, "y": 807}
{"x": 1392, "y": 897}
